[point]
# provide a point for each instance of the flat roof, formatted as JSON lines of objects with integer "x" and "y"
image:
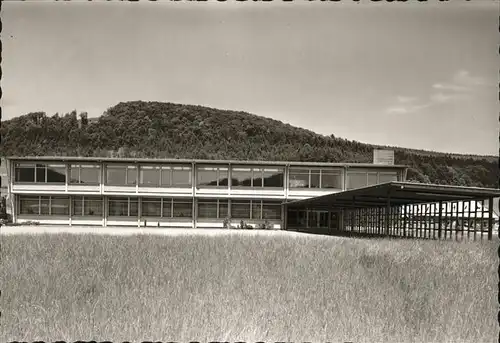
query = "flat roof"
{"x": 398, "y": 193}
{"x": 199, "y": 161}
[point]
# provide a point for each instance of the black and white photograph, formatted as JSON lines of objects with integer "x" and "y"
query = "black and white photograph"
{"x": 250, "y": 171}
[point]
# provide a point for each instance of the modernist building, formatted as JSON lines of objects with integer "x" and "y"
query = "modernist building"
{"x": 179, "y": 193}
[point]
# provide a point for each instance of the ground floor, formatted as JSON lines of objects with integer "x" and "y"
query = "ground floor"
{"x": 182, "y": 212}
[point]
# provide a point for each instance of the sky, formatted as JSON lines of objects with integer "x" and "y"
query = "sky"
{"x": 416, "y": 75}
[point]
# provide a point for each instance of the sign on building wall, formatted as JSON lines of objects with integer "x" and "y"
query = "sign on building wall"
{"x": 383, "y": 157}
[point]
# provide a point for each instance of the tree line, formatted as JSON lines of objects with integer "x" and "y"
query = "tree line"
{"x": 168, "y": 130}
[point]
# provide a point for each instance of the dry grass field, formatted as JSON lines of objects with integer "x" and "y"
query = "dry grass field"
{"x": 247, "y": 287}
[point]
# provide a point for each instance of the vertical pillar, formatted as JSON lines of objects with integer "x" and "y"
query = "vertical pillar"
{"x": 440, "y": 220}
{"x": 284, "y": 216}
{"x": 105, "y": 210}
{"x": 14, "y": 206}
{"x": 490, "y": 218}
{"x": 388, "y": 214}
{"x": 194, "y": 174}
{"x": 139, "y": 211}
{"x": 70, "y": 209}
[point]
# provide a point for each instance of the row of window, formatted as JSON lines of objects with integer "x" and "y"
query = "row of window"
{"x": 364, "y": 179}
{"x": 181, "y": 176}
{"x": 309, "y": 218}
{"x": 151, "y": 207}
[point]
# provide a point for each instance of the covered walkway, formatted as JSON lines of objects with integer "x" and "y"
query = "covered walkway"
{"x": 399, "y": 209}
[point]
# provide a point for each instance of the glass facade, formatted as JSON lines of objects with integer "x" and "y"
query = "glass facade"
{"x": 150, "y": 176}
{"x": 89, "y": 174}
{"x": 87, "y": 206}
{"x": 212, "y": 209}
{"x": 213, "y": 177}
{"x": 179, "y": 203}
{"x": 176, "y": 176}
{"x": 358, "y": 179}
{"x": 43, "y": 205}
{"x": 151, "y": 207}
{"x": 257, "y": 177}
{"x": 39, "y": 173}
{"x": 315, "y": 178}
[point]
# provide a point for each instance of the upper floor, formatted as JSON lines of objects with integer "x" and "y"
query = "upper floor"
{"x": 193, "y": 177}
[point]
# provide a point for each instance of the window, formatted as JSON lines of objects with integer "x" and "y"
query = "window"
{"x": 323, "y": 219}
{"x": 40, "y": 173}
{"x": 362, "y": 179}
{"x": 271, "y": 211}
{"x": 223, "y": 208}
{"x": 356, "y": 180}
{"x": 131, "y": 175}
{"x": 176, "y": 176}
{"x": 29, "y": 205}
{"x": 77, "y": 209}
{"x": 151, "y": 207}
{"x": 24, "y": 172}
{"x": 241, "y": 177}
{"x": 257, "y": 177}
{"x": 182, "y": 208}
{"x": 372, "y": 179}
{"x": 256, "y": 209}
{"x": 85, "y": 173}
{"x": 120, "y": 175}
{"x": 299, "y": 178}
{"x": 181, "y": 176}
{"x": 123, "y": 207}
{"x": 43, "y": 205}
{"x": 59, "y": 206}
{"x": 315, "y": 178}
{"x": 116, "y": 175}
{"x": 167, "y": 208}
{"x": 87, "y": 206}
{"x": 331, "y": 179}
{"x": 240, "y": 209}
{"x": 387, "y": 177}
{"x": 207, "y": 208}
{"x": 313, "y": 219}
{"x": 133, "y": 207}
{"x": 56, "y": 173}
{"x": 212, "y": 176}
{"x": 273, "y": 178}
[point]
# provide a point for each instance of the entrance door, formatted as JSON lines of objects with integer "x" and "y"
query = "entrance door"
{"x": 335, "y": 221}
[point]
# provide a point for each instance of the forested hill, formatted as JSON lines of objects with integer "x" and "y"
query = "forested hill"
{"x": 155, "y": 129}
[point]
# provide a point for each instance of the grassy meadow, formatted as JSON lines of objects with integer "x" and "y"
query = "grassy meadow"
{"x": 248, "y": 287}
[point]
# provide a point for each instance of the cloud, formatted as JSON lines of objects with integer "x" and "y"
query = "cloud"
{"x": 450, "y": 87}
{"x": 460, "y": 87}
{"x": 463, "y": 78}
{"x": 406, "y": 99}
{"x": 407, "y": 109}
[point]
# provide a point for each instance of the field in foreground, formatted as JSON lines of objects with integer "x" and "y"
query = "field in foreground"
{"x": 246, "y": 287}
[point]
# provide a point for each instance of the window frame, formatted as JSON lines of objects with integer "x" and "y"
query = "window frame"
{"x": 218, "y": 170}
{"x": 258, "y": 173}
{"x": 128, "y": 215}
{"x": 156, "y": 168}
{"x": 312, "y": 172}
{"x": 171, "y": 169}
{"x": 123, "y": 167}
{"x": 95, "y": 166}
{"x": 42, "y": 198}
{"x": 45, "y": 166}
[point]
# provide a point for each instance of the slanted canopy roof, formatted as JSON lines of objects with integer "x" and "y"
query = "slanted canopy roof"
{"x": 396, "y": 193}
